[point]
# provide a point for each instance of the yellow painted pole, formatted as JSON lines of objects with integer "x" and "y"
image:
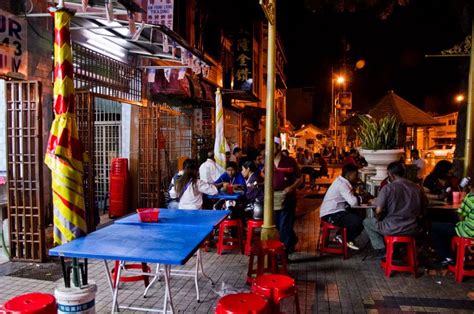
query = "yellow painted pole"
{"x": 268, "y": 229}
{"x": 469, "y": 115}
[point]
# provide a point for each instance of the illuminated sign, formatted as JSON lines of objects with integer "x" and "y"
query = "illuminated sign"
{"x": 13, "y": 48}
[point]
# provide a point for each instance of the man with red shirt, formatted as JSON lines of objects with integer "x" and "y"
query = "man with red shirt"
{"x": 286, "y": 179}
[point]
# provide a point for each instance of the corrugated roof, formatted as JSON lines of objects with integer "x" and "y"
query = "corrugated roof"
{"x": 406, "y": 113}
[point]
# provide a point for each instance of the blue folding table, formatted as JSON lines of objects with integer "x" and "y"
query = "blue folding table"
{"x": 181, "y": 217}
{"x": 171, "y": 244}
{"x": 228, "y": 197}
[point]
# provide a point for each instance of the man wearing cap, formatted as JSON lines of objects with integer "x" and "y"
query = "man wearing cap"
{"x": 286, "y": 179}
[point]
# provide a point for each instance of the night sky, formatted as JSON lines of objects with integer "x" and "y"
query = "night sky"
{"x": 394, "y": 50}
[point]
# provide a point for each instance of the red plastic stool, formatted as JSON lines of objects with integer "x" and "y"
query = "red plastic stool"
{"x": 237, "y": 242}
{"x": 242, "y": 303}
{"x": 31, "y": 303}
{"x": 275, "y": 288}
{"x": 459, "y": 245}
{"x": 274, "y": 250}
{"x": 388, "y": 266}
{"x": 251, "y": 225}
{"x": 324, "y": 247}
{"x": 143, "y": 267}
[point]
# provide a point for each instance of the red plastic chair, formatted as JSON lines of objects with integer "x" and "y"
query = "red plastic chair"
{"x": 222, "y": 243}
{"x": 123, "y": 278}
{"x": 31, "y": 303}
{"x": 459, "y": 245}
{"x": 324, "y": 238}
{"x": 251, "y": 225}
{"x": 411, "y": 259}
{"x": 269, "y": 251}
{"x": 242, "y": 303}
{"x": 276, "y": 288}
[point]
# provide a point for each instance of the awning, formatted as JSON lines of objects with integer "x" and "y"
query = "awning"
{"x": 239, "y": 95}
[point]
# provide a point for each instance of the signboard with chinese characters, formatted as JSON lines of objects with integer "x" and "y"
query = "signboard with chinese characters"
{"x": 344, "y": 100}
{"x": 160, "y": 12}
{"x": 243, "y": 52}
{"x": 13, "y": 39}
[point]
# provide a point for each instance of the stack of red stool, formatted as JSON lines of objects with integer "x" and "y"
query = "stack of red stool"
{"x": 31, "y": 303}
{"x": 459, "y": 246}
{"x": 275, "y": 288}
{"x": 242, "y": 303}
{"x": 222, "y": 243}
{"x": 143, "y": 267}
{"x": 251, "y": 225}
{"x": 274, "y": 250}
{"x": 118, "y": 187}
{"x": 388, "y": 266}
{"x": 324, "y": 247}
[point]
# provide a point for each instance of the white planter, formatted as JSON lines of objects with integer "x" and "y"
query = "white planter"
{"x": 381, "y": 159}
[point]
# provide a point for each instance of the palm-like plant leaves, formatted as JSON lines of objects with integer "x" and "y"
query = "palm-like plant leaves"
{"x": 382, "y": 134}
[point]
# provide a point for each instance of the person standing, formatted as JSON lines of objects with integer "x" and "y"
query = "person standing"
{"x": 208, "y": 171}
{"x": 188, "y": 188}
{"x": 236, "y": 155}
{"x": 419, "y": 163}
{"x": 400, "y": 209}
{"x": 286, "y": 179}
{"x": 339, "y": 197}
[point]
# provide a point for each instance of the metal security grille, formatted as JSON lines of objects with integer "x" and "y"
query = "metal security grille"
{"x": 107, "y": 141}
{"x": 149, "y": 157}
{"x": 176, "y": 130}
{"x": 85, "y": 125}
{"x": 105, "y": 76}
{"x": 25, "y": 162}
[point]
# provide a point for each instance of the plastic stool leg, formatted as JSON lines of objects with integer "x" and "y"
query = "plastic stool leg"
{"x": 388, "y": 258}
{"x": 220, "y": 240}
{"x": 460, "y": 262}
{"x": 297, "y": 302}
{"x": 344, "y": 242}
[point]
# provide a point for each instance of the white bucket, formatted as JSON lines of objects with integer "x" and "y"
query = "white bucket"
{"x": 76, "y": 300}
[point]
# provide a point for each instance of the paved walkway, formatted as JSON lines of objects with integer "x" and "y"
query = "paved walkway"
{"x": 326, "y": 284}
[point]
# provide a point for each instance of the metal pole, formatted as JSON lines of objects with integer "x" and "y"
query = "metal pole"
{"x": 268, "y": 229}
{"x": 469, "y": 115}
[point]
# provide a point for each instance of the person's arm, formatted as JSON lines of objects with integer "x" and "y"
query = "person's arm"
{"x": 380, "y": 203}
{"x": 220, "y": 181}
{"x": 348, "y": 194}
{"x": 206, "y": 188}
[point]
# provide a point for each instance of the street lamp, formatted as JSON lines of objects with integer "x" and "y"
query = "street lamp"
{"x": 339, "y": 80}
{"x": 459, "y": 98}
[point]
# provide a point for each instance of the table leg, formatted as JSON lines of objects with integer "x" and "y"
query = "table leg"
{"x": 168, "y": 290}
{"x": 115, "y": 305}
{"x": 67, "y": 279}
{"x": 156, "y": 277}
{"x": 75, "y": 272}
{"x": 109, "y": 278}
{"x": 196, "y": 274}
{"x": 199, "y": 260}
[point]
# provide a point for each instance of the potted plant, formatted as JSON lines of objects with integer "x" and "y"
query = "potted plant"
{"x": 379, "y": 142}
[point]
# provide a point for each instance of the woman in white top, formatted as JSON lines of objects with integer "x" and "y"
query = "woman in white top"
{"x": 189, "y": 189}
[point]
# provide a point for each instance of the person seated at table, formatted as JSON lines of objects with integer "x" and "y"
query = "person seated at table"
{"x": 307, "y": 159}
{"x": 419, "y": 163}
{"x": 231, "y": 176}
{"x": 441, "y": 181}
{"x": 399, "y": 210}
{"x": 339, "y": 197}
{"x": 188, "y": 189}
{"x": 351, "y": 159}
{"x": 323, "y": 170}
{"x": 260, "y": 162}
{"x": 254, "y": 189}
{"x": 442, "y": 233}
